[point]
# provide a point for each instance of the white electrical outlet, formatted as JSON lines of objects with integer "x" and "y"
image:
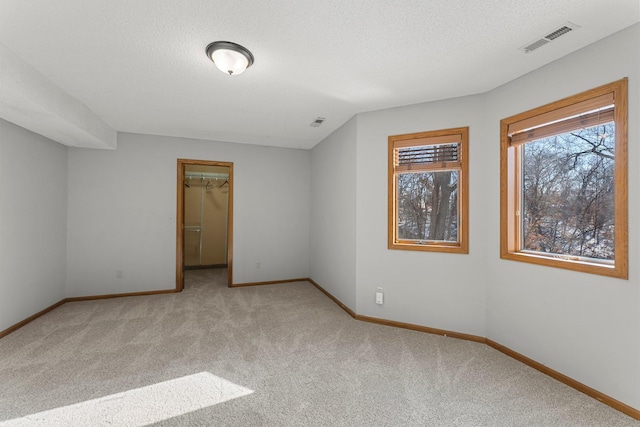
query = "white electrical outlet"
{"x": 119, "y": 274}
{"x": 257, "y": 265}
{"x": 379, "y": 296}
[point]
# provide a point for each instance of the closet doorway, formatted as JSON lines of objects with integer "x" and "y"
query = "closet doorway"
{"x": 204, "y": 217}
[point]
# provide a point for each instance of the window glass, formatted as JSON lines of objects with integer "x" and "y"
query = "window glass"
{"x": 568, "y": 193}
{"x": 428, "y": 206}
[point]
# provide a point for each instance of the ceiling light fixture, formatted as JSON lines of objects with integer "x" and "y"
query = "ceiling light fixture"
{"x": 230, "y": 58}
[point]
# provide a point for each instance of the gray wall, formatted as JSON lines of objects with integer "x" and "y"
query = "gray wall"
{"x": 33, "y": 223}
{"x": 439, "y": 290}
{"x": 333, "y": 214}
{"x": 584, "y": 326}
{"x": 122, "y": 207}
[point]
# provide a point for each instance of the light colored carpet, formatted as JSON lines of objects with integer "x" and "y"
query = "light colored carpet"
{"x": 278, "y": 355}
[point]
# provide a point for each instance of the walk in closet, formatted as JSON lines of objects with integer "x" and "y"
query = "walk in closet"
{"x": 206, "y": 198}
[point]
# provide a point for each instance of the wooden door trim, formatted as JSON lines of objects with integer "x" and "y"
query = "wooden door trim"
{"x": 182, "y": 163}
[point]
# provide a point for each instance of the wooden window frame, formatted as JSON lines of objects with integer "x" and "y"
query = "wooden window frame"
{"x": 454, "y": 135}
{"x": 513, "y": 134}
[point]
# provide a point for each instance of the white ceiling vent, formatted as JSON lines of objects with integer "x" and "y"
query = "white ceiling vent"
{"x": 551, "y": 35}
{"x": 317, "y": 122}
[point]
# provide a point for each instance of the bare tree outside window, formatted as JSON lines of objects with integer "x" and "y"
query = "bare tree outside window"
{"x": 428, "y": 206}
{"x": 568, "y": 192}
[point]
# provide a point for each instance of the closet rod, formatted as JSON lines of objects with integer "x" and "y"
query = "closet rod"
{"x": 206, "y": 175}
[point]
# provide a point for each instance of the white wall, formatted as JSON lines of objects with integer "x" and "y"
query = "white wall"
{"x": 585, "y": 326}
{"x": 333, "y": 214}
{"x": 439, "y": 290}
{"x": 33, "y": 220}
{"x": 115, "y": 226}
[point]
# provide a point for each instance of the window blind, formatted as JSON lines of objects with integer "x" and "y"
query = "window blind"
{"x": 426, "y": 154}
{"x": 564, "y": 126}
{"x": 587, "y": 113}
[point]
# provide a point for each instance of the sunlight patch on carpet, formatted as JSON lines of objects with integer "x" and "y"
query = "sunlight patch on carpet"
{"x": 141, "y": 406}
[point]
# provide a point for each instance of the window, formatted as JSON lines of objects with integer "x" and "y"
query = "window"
{"x": 563, "y": 183}
{"x": 428, "y": 186}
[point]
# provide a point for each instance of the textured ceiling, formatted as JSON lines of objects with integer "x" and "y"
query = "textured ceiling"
{"x": 141, "y": 66}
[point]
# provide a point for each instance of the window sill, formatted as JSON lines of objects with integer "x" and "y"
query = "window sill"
{"x": 592, "y": 267}
{"x": 429, "y": 247}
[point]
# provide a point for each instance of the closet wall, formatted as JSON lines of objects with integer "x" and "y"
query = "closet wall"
{"x": 205, "y": 215}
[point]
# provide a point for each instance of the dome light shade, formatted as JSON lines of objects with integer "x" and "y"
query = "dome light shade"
{"x": 230, "y": 58}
